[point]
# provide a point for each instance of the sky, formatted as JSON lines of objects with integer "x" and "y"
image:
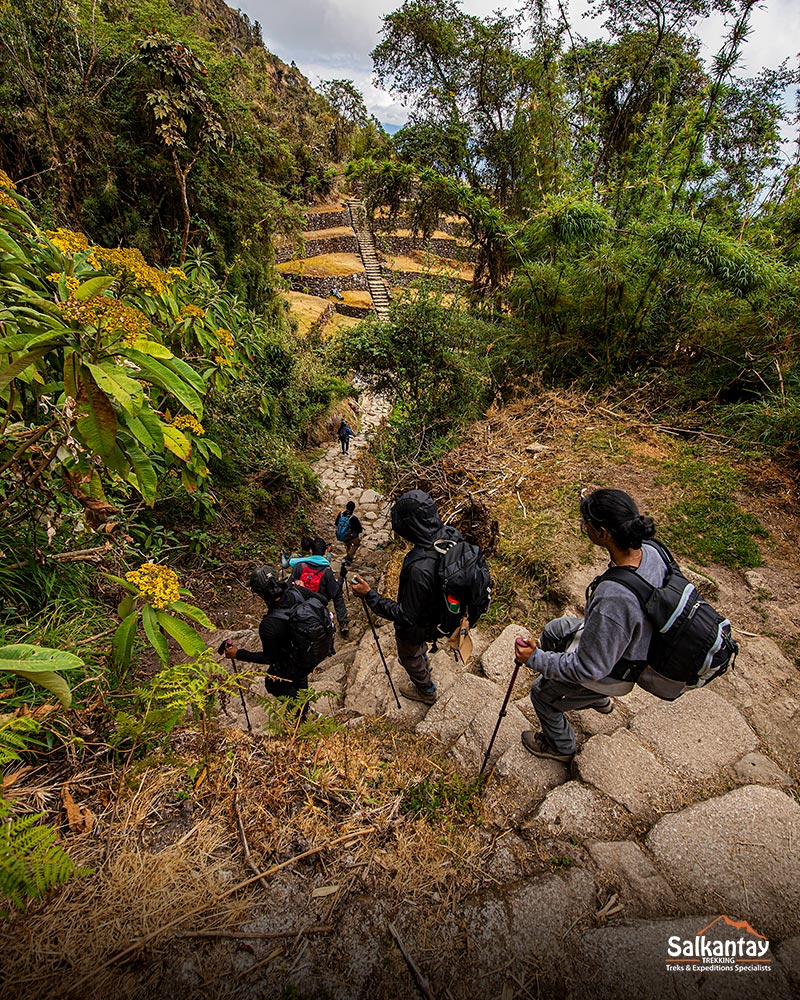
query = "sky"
{"x": 332, "y": 39}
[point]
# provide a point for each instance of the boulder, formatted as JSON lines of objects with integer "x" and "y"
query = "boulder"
{"x": 454, "y": 710}
{"x": 788, "y": 954}
{"x": 697, "y": 736}
{"x": 756, "y": 769}
{"x": 497, "y": 662}
{"x": 576, "y": 810}
{"x": 737, "y": 854}
{"x": 642, "y": 889}
{"x": 627, "y": 773}
{"x": 765, "y": 687}
{"x": 519, "y": 783}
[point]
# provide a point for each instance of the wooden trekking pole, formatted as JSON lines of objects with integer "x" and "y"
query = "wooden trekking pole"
{"x": 500, "y": 718}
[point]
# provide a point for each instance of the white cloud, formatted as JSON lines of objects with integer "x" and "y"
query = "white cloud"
{"x": 333, "y": 38}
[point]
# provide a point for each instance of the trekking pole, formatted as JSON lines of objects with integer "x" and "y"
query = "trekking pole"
{"x": 500, "y": 718}
{"x": 377, "y": 643}
{"x": 241, "y": 694}
{"x": 238, "y": 684}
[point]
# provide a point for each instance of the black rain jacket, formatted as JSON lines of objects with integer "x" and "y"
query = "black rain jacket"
{"x": 417, "y": 610}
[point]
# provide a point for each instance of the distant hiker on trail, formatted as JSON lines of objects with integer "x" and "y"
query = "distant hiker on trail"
{"x": 415, "y": 612}
{"x": 337, "y": 294}
{"x": 344, "y": 434}
{"x": 313, "y": 573}
{"x": 348, "y": 530}
{"x": 582, "y": 660}
{"x": 293, "y": 641}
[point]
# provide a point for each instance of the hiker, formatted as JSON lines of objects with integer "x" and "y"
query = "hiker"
{"x": 415, "y": 613}
{"x": 348, "y": 530}
{"x": 306, "y": 542}
{"x": 581, "y": 660}
{"x": 313, "y": 573}
{"x": 344, "y": 434}
{"x": 288, "y": 666}
{"x": 337, "y": 294}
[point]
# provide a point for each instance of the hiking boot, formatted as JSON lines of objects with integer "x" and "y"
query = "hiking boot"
{"x": 605, "y": 709}
{"x": 428, "y": 696}
{"x": 344, "y": 632}
{"x": 539, "y": 746}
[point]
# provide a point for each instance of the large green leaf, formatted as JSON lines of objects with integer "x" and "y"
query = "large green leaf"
{"x": 186, "y": 637}
{"x": 19, "y": 365}
{"x": 195, "y": 379}
{"x": 122, "y": 640}
{"x": 154, "y": 634}
{"x": 39, "y": 664}
{"x": 145, "y": 474}
{"x": 94, "y": 286}
{"x": 157, "y": 373}
{"x": 98, "y": 425}
{"x": 190, "y": 611}
{"x": 116, "y": 384}
{"x": 7, "y": 244}
{"x": 153, "y": 348}
{"x": 177, "y": 442}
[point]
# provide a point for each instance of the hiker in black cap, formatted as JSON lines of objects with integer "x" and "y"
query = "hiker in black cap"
{"x": 415, "y": 612}
{"x": 582, "y": 660}
{"x": 285, "y": 678}
{"x": 314, "y": 574}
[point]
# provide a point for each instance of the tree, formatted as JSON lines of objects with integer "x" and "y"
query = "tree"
{"x": 349, "y": 114}
{"x": 186, "y": 120}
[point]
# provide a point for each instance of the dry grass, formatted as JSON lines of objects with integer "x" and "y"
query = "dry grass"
{"x": 308, "y": 310}
{"x": 173, "y": 869}
{"x": 420, "y": 262}
{"x": 324, "y": 265}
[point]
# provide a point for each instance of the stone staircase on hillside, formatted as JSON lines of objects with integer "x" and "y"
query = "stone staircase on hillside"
{"x": 369, "y": 256}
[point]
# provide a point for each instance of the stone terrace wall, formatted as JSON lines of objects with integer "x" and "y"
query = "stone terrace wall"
{"x": 390, "y": 244}
{"x": 400, "y": 279}
{"x": 314, "y": 285}
{"x": 327, "y": 220}
{"x": 313, "y": 247}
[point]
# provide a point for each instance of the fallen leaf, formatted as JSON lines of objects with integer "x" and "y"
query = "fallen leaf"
{"x": 324, "y": 890}
{"x": 80, "y": 819}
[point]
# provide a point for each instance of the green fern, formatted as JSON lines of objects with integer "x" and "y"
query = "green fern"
{"x": 285, "y": 716}
{"x": 165, "y": 701}
{"x": 14, "y": 737}
{"x": 31, "y": 862}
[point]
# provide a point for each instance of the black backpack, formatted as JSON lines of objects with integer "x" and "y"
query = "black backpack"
{"x": 692, "y": 643}
{"x": 466, "y": 586}
{"x": 310, "y": 634}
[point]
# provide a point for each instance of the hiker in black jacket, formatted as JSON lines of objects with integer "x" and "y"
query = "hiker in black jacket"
{"x": 283, "y": 678}
{"x": 313, "y": 573}
{"x": 415, "y": 613}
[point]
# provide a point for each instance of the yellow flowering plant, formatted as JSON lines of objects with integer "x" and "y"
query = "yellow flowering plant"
{"x": 88, "y": 323}
{"x": 154, "y": 599}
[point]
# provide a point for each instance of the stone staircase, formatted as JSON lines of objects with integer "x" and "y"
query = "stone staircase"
{"x": 369, "y": 256}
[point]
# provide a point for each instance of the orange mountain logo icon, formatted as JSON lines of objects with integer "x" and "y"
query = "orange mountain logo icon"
{"x": 737, "y": 925}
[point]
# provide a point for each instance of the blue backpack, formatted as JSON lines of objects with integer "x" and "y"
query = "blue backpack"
{"x": 343, "y": 532}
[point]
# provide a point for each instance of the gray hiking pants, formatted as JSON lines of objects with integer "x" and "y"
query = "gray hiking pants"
{"x": 412, "y": 655}
{"x": 552, "y": 698}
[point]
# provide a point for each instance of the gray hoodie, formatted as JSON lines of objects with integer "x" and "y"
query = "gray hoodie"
{"x": 615, "y": 628}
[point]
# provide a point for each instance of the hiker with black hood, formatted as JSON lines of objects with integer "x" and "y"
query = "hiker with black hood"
{"x": 415, "y": 613}
{"x": 288, "y": 666}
